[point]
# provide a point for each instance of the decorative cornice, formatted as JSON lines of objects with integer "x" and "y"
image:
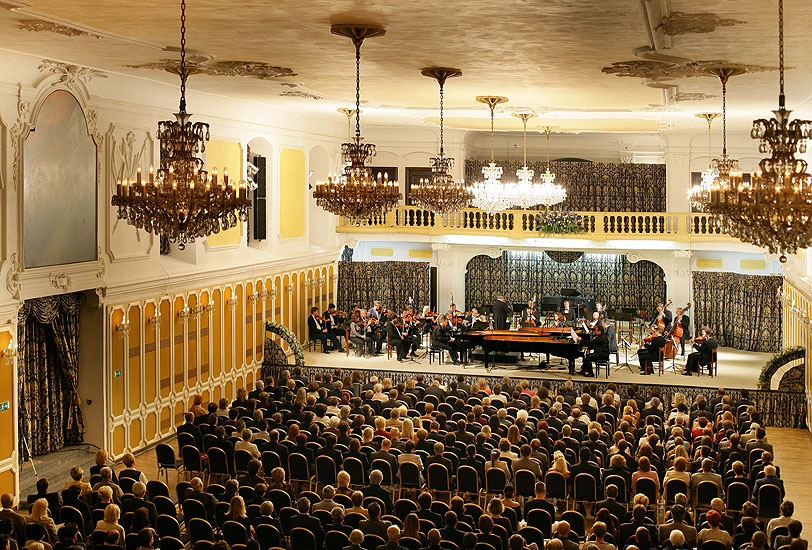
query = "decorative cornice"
{"x": 60, "y": 281}
{"x": 13, "y": 276}
{"x": 38, "y": 25}
{"x": 678, "y": 22}
{"x": 18, "y": 133}
{"x": 70, "y": 74}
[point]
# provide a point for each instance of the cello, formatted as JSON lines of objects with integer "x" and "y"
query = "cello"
{"x": 674, "y": 336}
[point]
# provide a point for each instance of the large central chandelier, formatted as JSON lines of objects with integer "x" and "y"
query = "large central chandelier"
{"x": 699, "y": 194}
{"x": 551, "y": 192}
{"x": 182, "y": 201}
{"x": 440, "y": 193}
{"x": 490, "y": 194}
{"x": 355, "y": 193}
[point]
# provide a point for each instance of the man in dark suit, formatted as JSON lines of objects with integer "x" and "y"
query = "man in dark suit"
{"x": 627, "y": 530}
{"x": 330, "y": 450}
{"x": 17, "y": 520}
{"x": 650, "y": 351}
{"x": 424, "y": 510}
{"x": 703, "y": 354}
{"x": 471, "y": 460}
{"x": 133, "y": 504}
{"x": 501, "y": 312}
{"x": 374, "y": 525}
{"x": 190, "y": 428}
{"x": 568, "y": 311}
{"x": 305, "y": 520}
{"x": 221, "y": 442}
{"x": 317, "y": 329}
{"x": 442, "y": 338}
{"x": 395, "y": 340}
{"x": 208, "y": 500}
{"x": 769, "y": 479}
{"x": 438, "y": 458}
{"x": 584, "y": 466}
{"x": 664, "y": 315}
{"x": 385, "y": 455}
{"x": 610, "y": 503}
{"x": 450, "y": 531}
{"x": 374, "y": 489}
{"x": 463, "y": 435}
{"x": 758, "y": 442}
{"x": 524, "y": 462}
{"x": 540, "y": 501}
{"x": 598, "y": 345}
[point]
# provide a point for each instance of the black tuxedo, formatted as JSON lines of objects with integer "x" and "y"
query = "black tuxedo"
{"x": 599, "y": 347}
{"x": 668, "y": 317}
{"x": 703, "y": 354}
{"x": 650, "y": 353}
{"x": 316, "y": 330}
{"x": 501, "y": 312}
{"x": 395, "y": 340}
{"x": 441, "y": 338}
{"x": 530, "y": 316}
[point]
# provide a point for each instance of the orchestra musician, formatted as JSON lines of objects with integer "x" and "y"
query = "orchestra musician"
{"x": 568, "y": 313}
{"x": 396, "y": 338}
{"x": 411, "y": 334}
{"x": 474, "y": 317}
{"x": 376, "y": 311}
{"x": 650, "y": 350}
{"x": 530, "y": 315}
{"x": 501, "y": 312}
{"x": 455, "y": 318}
{"x": 442, "y": 338}
{"x": 359, "y": 336}
{"x": 428, "y": 319}
{"x": 598, "y": 345}
{"x": 560, "y": 321}
{"x": 596, "y": 319}
{"x": 704, "y": 347}
{"x": 318, "y": 330}
{"x": 371, "y": 325}
{"x": 684, "y": 321}
{"x": 601, "y": 311}
{"x": 334, "y": 320}
{"x": 664, "y": 315}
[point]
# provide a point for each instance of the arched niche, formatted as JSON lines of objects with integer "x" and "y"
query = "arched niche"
{"x": 59, "y": 206}
{"x": 321, "y": 224}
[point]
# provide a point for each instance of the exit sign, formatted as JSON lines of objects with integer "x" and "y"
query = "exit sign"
{"x": 117, "y": 374}
{"x": 4, "y": 406}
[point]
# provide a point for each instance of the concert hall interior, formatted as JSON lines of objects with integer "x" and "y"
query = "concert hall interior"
{"x": 199, "y": 197}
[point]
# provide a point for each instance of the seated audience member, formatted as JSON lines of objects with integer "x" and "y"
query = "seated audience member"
{"x": 305, "y": 520}
{"x": 676, "y": 541}
{"x": 113, "y": 541}
{"x": 794, "y": 527}
{"x": 787, "y": 509}
{"x": 374, "y": 525}
{"x": 17, "y": 520}
{"x": 129, "y": 469}
{"x": 599, "y": 532}
{"x": 110, "y": 521}
{"x": 139, "y": 501}
{"x": 677, "y": 523}
{"x": 106, "y": 474}
{"x": 39, "y": 514}
{"x": 77, "y": 478}
{"x": 714, "y": 531}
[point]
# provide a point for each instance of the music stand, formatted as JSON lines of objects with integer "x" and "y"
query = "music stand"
{"x": 625, "y": 364}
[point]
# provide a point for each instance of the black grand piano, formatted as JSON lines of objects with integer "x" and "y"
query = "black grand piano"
{"x": 549, "y": 341}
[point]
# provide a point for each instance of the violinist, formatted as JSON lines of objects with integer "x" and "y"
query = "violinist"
{"x": 596, "y": 320}
{"x": 663, "y": 318}
{"x": 650, "y": 350}
{"x": 455, "y": 318}
{"x": 474, "y": 317}
{"x": 530, "y": 315}
{"x": 411, "y": 334}
{"x": 704, "y": 346}
{"x": 441, "y": 338}
{"x": 601, "y": 311}
{"x": 427, "y": 317}
{"x": 598, "y": 344}
{"x": 371, "y": 326}
{"x": 395, "y": 338}
{"x": 359, "y": 336}
{"x": 317, "y": 327}
{"x": 334, "y": 319}
{"x": 501, "y": 312}
{"x": 560, "y": 321}
{"x": 376, "y": 311}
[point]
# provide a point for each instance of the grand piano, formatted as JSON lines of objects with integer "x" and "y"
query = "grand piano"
{"x": 549, "y": 341}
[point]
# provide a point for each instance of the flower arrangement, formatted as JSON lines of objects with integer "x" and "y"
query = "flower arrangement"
{"x": 287, "y": 335}
{"x": 777, "y": 361}
{"x": 559, "y": 221}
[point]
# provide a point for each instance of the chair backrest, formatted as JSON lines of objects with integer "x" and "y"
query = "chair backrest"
{"x": 532, "y": 534}
{"x": 403, "y": 507}
{"x": 620, "y": 483}
{"x": 279, "y": 498}
{"x": 336, "y": 539}
{"x": 284, "y": 518}
{"x": 298, "y": 467}
{"x": 410, "y": 543}
{"x": 155, "y": 488}
{"x": 164, "y": 506}
{"x": 171, "y": 543}
{"x": 585, "y": 487}
{"x": 672, "y": 488}
{"x": 385, "y": 468}
{"x": 409, "y": 474}
{"x": 467, "y": 480}
{"x": 647, "y": 487}
{"x": 355, "y": 468}
{"x": 185, "y": 438}
{"x": 267, "y": 536}
{"x": 180, "y": 490}
{"x": 705, "y": 492}
{"x": 769, "y": 501}
{"x": 556, "y": 484}
{"x": 199, "y": 529}
{"x": 241, "y": 460}
{"x": 495, "y": 480}
{"x": 70, "y": 514}
{"x": 218, "y": 461}
{"x": 200, "y": 545}
{"x": 439, "y": 478}
{"x": 371, "y": 541}
{"x": 234, "y": 533}
{"x": 525, "y": 482}
{"x": 167, "y": 526}
{"x": 737, "y": 494}
{"x": 193, "y": 508}
{"x": 576, "y": 521}
{"x": 714, "y": 545}
{"x": 541, "y": 520}
{"x": 165, "y": 455}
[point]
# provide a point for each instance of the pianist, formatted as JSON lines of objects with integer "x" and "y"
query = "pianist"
{"x": 597, "y": 350}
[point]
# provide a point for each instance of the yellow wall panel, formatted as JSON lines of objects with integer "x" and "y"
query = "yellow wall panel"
{"x": 165, "y": 346}
{"x": 7, "y": 482}
{"x": 7, "y": 394}
{"x": 259, "y": 321}
{"x": 714, "y": 263}
{"x": 292, "y": 189}
{"x": 217, "y": 339}
{"x": 177, "y": 345}
{"x": 420, "y": 253}
{"x": 753, "y": 264}
{"x": 134, "y": 360}
{"x": 277, "y": 301}
{"x": 150, "y": 427}
{"x": 118, "y": 440}
{"x": 239, "y": 326}
{"x": 150, "y": 354}
{"x": 217, "y": 394}
{"x": 180, "y": 409}
{"x": 117, "y": 364}
{"x": 135, "y": 433}
{"x": 228, "y": 329}
{"x": 287, "y": 318}
{"x": 166, "y": 420}
{"x": 204, "y": 339}
{"x": 385, "y": 252}
{"x": 191, "y": 343}
{"x": 251, "y": 301}
{"x": 221, "y": 155}
{"x": 228, "y": 391}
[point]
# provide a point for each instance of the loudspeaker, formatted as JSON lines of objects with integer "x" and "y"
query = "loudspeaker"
{"x": 258, "y": 227}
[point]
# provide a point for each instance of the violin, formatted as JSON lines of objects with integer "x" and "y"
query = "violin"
{"x": 699, "y": 339}
{"x": 319, "y": 318}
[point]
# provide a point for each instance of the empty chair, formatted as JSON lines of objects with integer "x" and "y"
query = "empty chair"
{"x": 585, "y": 488}
{"x": 192, "y": 509}
{"x": 192, "y": 462}
{"x": 171, "y": 543}
{"x": 155, "y": 488}
{"x": 165, "y": 455}
{"x": 268, "y": 536}
{"x": 439, "y": 478}
{"x": 199, "y": 529}
{"x": 336, "y": 539}
{"x": 299, "y": 469}
{"x": 325, "y": 470}
{"x": 165, "y": 506}
{"x": 167, "y": 526}
{"x": 576, "y": 521}
{"x": 556, "y": 485}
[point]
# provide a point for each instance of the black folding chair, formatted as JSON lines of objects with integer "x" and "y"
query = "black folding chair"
{"x": 234, "y": 533}
{"x": 268, "y": 536}
{"x": 302, "y": 539}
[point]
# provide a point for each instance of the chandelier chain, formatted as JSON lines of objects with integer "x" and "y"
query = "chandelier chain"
{"x": 781, "y": 99}
{"x": 524, "y": 140}
{"x": 724, "y": 116}
{"x": 358, "y": 90}
{"x": 441, "y": 117}
{"x": 183, "y": 56}
{"x": 492, "y": 106}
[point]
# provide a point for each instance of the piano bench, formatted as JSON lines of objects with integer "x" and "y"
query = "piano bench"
{"x": 597, "y": 366}
{"x": 439, "y": 352}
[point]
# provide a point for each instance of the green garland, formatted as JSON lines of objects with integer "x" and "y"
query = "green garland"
{"x": 777, "y": 361}
{"x": 287, "y": 335}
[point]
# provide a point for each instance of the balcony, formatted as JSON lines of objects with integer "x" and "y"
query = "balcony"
{"x": 521, "y": 224}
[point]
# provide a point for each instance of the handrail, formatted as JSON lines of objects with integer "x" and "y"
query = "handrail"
{"x": 681, "y": 226}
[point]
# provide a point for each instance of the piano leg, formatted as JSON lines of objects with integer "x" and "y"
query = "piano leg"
{"x": 572, "y": 365}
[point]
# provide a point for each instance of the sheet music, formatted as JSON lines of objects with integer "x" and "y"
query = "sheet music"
{"x": 572, "y": 334}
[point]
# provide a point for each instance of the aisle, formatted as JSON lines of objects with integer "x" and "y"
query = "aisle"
{"x": 792, "y": 448}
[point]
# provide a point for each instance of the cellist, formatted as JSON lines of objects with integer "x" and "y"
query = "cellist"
{"x": 682, "y": 321}
{"x": 662, "y": 319}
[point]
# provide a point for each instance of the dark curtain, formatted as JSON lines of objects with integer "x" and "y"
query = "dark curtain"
{"x": 743, "y": 311}
{"x": 594, "y": 186}
{"x": 519, "y": 275}
{"x": 48, "y": 371}
{"x": 393, "y": 283}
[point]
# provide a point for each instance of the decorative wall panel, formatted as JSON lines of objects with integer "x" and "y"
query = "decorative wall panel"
{"x": 594, "y": 186}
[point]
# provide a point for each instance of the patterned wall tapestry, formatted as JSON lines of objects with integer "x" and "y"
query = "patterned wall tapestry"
{"x": 594, "y": 186}
{"x": 743, "y": 311}
{"x": 393, "y": 283}
{"x": 609, "y": 278}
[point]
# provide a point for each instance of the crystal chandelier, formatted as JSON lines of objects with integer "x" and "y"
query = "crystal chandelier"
{"x": 182, "y": 201}
{"x": 440, "y": 193}
{"x": 490, "y": 194}
{"x": 699, "y": 194}
{"x": 551, "y": 193}
{"x": 355, "y": 193}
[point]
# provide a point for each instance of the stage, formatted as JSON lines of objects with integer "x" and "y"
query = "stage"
{"x": 737, "y": 369}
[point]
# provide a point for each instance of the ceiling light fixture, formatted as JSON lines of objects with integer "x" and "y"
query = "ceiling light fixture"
{"x": 355, "y": 194}
{"x": 699, "y": 194}
{"x": 182, "y": 201}
{"x": 551, "y": 192}
{"x": 489, "y": 194}
{"x": 440, "y": 193}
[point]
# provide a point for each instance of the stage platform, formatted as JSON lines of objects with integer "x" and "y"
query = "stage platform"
{"x": 737, "y": 369}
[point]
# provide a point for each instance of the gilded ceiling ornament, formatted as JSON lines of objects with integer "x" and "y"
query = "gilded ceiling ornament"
{"x": 70, "y": 74}
{"x": 679, "y": 22}
{"x": 301, "y": 93}
{"x": 37, "y": 25}
{"x": 692, "y": 96}
{"x": 666, "y": 70}
{"x": 252, "y": 69}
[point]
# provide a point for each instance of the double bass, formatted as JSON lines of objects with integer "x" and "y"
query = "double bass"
{"x": 674, "y": 336}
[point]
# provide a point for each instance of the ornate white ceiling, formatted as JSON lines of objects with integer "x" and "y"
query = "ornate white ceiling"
{"x": 564, "y": 58}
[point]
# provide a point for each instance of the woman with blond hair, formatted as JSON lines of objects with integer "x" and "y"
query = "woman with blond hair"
{"x": 39, "y": 514}
{"x": 301, "y": 397}
{"x": 380, "y": 427}
{"x": 483, "y": 386}
{"x": 343, "y": 484}
{"x": 236, "y": 512}
{"x": 277, "y": 480}
{"x": 101, "y": 460}
{"x": 407, "y": 430}
{"x": 110, "y": 522}
{"x": 367, "y": 436}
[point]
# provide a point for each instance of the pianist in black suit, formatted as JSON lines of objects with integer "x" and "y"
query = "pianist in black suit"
{"x": 598, "y": 345}
{"x": 501, "y": 312}
{"x": 650, "y": 351}
{"x": 567, "y": 311}
{"x": 441, "y": 338}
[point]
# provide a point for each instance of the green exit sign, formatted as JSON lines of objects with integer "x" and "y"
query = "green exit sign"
{"x": 4, "y": 406}
{"x": 117, "y": 374}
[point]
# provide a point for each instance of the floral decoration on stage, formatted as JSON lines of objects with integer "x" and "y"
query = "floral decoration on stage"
{"x": 288, "y": 336}
{"x": 776, "y": 362}
{"x": 559, "y": 222}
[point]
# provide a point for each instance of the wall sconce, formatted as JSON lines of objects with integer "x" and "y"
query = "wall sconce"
{"x": 197, "y": 310}
{"x": 232, "y": 302}
{"x": 123, "y": 328}
{"x": 155, "y": 321}
{"x": 184, "y": 313}
{"x": 289, "y": 288}
{"x": 9, "y": 353}
{"x": 207, "y": 308}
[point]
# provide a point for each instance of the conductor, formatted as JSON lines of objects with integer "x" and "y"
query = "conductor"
{"x": 501, "y": 312}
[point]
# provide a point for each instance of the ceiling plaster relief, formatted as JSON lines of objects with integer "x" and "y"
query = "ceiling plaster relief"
{"x": 301, "y": 93}
{"x": 252, "y": 69}
{"x": 694, "y": 23}
{"x": 37, "y": 25}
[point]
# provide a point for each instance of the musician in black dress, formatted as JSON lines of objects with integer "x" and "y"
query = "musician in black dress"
{"x": 317, "y": 327}
{"x": 442, "y": 338}
{"x": 684, "y": 321}
{"x": 703, "y": 354}
{"x": 650, "y": 351}
{"x": 598, "y": 345}
{"x": 501, "y": 312}
{"x": 560, "y": 320}
{"x": 334, "y": 321}
{"x": 373, "y": 331}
